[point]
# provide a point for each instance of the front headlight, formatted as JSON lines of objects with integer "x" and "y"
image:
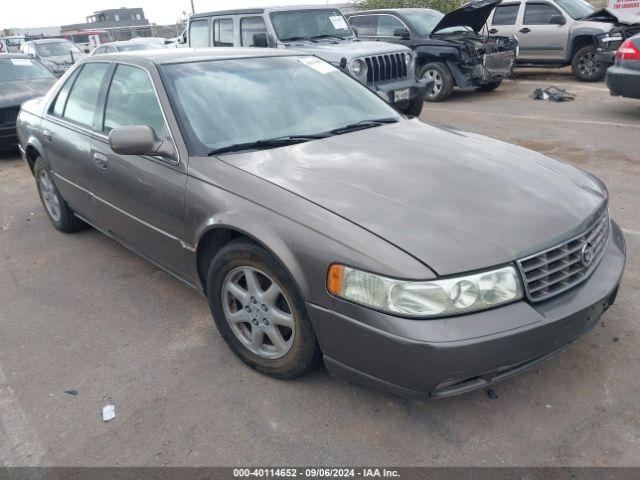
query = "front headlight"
{"x": 432, "y": 298}
{"x": 358, "y": 67}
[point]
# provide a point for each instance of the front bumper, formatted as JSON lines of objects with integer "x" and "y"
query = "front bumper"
{"x": 417, "y": 89}
{"x": 444, "y": 357}
{"x": 606, "y": 57}
{"x": 8, "y": 137}
{"x": 624, "y": 82}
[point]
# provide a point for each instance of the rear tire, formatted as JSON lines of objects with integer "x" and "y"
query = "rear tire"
{"x": 443, "y": 81}
{"x": 271, "y": 333}
{"x": 489, "y": 87}
{"x": 56, "y": 208}
{"x": 585, "y": 67}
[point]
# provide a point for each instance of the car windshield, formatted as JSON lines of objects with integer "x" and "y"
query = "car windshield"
{"x": 310, "y": 24}
{"x": 423, "y": 21}
{"x": 221, "y": 103}
{"x": 12, "y": 69}
{"x": 134, "y": 47}
{"x": 576, "y": 9}
{"x": 54, "y": 49}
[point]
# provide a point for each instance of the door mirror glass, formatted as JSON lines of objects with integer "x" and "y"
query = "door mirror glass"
{"x": 401, "y": 33}
{"x": 139, "y": 140}
{"x": 260, "y": 40}
{"x": 557, "y": 20}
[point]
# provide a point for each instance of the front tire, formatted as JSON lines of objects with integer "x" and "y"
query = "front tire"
{"x": 259, "y": 312}
{"x": 585, "y": 67}
{"x": 56, "y": 208}
{"x": 442, "y": 81}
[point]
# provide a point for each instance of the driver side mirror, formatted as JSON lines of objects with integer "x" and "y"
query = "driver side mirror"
{"x": 557, "y": 20}
{"x": 86, "y": 50}
{"x": 402, "y": 33}
{"x": 260, "y": 40}
{"x": 139, "y": 140}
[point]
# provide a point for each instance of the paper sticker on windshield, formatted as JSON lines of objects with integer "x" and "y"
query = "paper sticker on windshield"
{"x": 317, "y": 64}
{"x": 21, "y": 62}
{"x": 338, "y": 22}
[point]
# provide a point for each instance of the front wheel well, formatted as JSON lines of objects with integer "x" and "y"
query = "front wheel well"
{"x": 32, "y": 155}
{"x": 580, "y": 42}
{"x": 210, "y": 244}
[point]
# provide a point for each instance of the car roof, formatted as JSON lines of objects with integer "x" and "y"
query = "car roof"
{"x": 133, "y": 41}
{"x": 186, "y": 55}
{"x": 259, "y": 11}
{"x": 390, "y": 10}
{"x": 48, "y": 40}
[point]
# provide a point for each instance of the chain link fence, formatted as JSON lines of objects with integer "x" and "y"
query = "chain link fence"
{"x": 145, "y": 31}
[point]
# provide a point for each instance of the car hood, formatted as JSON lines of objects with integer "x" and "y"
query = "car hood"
{"x": 13, "y": 94}
{"x": 605, "y": 15}
{"x": 348, "y": 48}
{"x": 454, "y": 200}
{"x": 473, "y": 14}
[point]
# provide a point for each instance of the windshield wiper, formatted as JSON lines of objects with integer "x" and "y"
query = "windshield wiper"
{"x": 268, "y": 143}
{"x": 324, "y": 35}
{"x": 294, "y": 39}
{"x": 352, "y": 127}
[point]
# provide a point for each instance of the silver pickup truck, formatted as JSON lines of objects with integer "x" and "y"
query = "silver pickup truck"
{"x": 387, "y": 69}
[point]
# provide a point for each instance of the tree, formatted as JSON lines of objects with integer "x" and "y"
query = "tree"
{"x": 441, "y": 5}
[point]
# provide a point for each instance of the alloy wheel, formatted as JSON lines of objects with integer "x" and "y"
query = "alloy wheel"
{"x": 438, "y": 82}
{"x": 587, "y": 65}
{"x": 258, "y": 312}
{"x": 49, "y": 196}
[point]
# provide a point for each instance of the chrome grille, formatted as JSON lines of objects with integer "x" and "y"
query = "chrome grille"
{"x": 564, "y": 266}
{"x": 386, "y": 68}
{"x": 8, "y": 116}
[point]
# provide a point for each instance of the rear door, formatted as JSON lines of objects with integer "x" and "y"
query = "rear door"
{"x": 140, "y": 199}
{"x": 224, "y": 32}
{"x": 540, "y": 40}
{"x": 67, "y": 132}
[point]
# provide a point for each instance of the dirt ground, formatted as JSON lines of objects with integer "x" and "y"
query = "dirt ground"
{"x": 81, "y": 312}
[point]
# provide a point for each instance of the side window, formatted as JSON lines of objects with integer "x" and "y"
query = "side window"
{"x": 366, "y": 25}
{"x": 63, "y": 95}
{"x": 132, "y": 101}
{"x": 387, "y": 25}
{"x": 83, "y": 99}
{"x": 539, "y": 13}
{"x": 250, "y": 26}
{"x": 506, "y": 14}
{"x": 223, "y": 32}
{"x": 199, "y": 34}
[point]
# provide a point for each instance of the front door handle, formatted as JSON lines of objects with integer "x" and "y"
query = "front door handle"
{"x": 525, "y": 30}
{"x": 47, "y": 135}
{"x": 493, "y": 31}
{"x": 100, "y": 160}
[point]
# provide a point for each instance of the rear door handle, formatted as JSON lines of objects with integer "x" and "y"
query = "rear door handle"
{"x": 525, "y": 30}
{"x": 47, "y": 135}
{"x": 100, "y": 160}
{"x": 493, "y": 31}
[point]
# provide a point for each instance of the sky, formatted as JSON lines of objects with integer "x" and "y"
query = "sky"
{"x": 48, "y": 13}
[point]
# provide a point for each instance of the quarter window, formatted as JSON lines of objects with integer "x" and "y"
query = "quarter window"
{"x": 366, "y": 25}
{"x": 539, "y": 13}
{"x": 249, "y": 27}
{"x": 83, "y": 99}
{"x": 199, "y": 34}
{"x": 506, "y": 14}
{"x": 223, "y": 32}
{"x": 132, "y": 101}
{"x": 387, "y": 25}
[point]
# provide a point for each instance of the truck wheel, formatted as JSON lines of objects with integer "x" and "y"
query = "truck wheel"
{"x": 489, "y": 87}
{"x": 414, "y": 108}
{"x": 585, "y": 67}
{"x": 57, "y": 210}
{"x": 259, "y": 312}
{"x": 442, "y": 81}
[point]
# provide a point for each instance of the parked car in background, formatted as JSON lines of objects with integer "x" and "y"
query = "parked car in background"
{"x": 608, "y": 43}
{"x": 21, "y": 78}
{"x": 623, "y": 79}
{"x": 321, "y": 223}
{"x": 55, "y": 54}
{"x": 554, "y": 33}
{"x": 127, "y": 46}
{"x": 451, "y": 51}
{"x": 385, "y": 68}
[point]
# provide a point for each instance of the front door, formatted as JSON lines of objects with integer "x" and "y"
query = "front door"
{"x": 540, "y": 39}
{"x": 139, "y": 199}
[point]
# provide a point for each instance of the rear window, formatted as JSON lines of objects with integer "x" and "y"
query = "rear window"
{"x": 15, "y": 69}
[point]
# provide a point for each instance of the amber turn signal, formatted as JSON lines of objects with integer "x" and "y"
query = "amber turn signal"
{"x": 336, "y": 277}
